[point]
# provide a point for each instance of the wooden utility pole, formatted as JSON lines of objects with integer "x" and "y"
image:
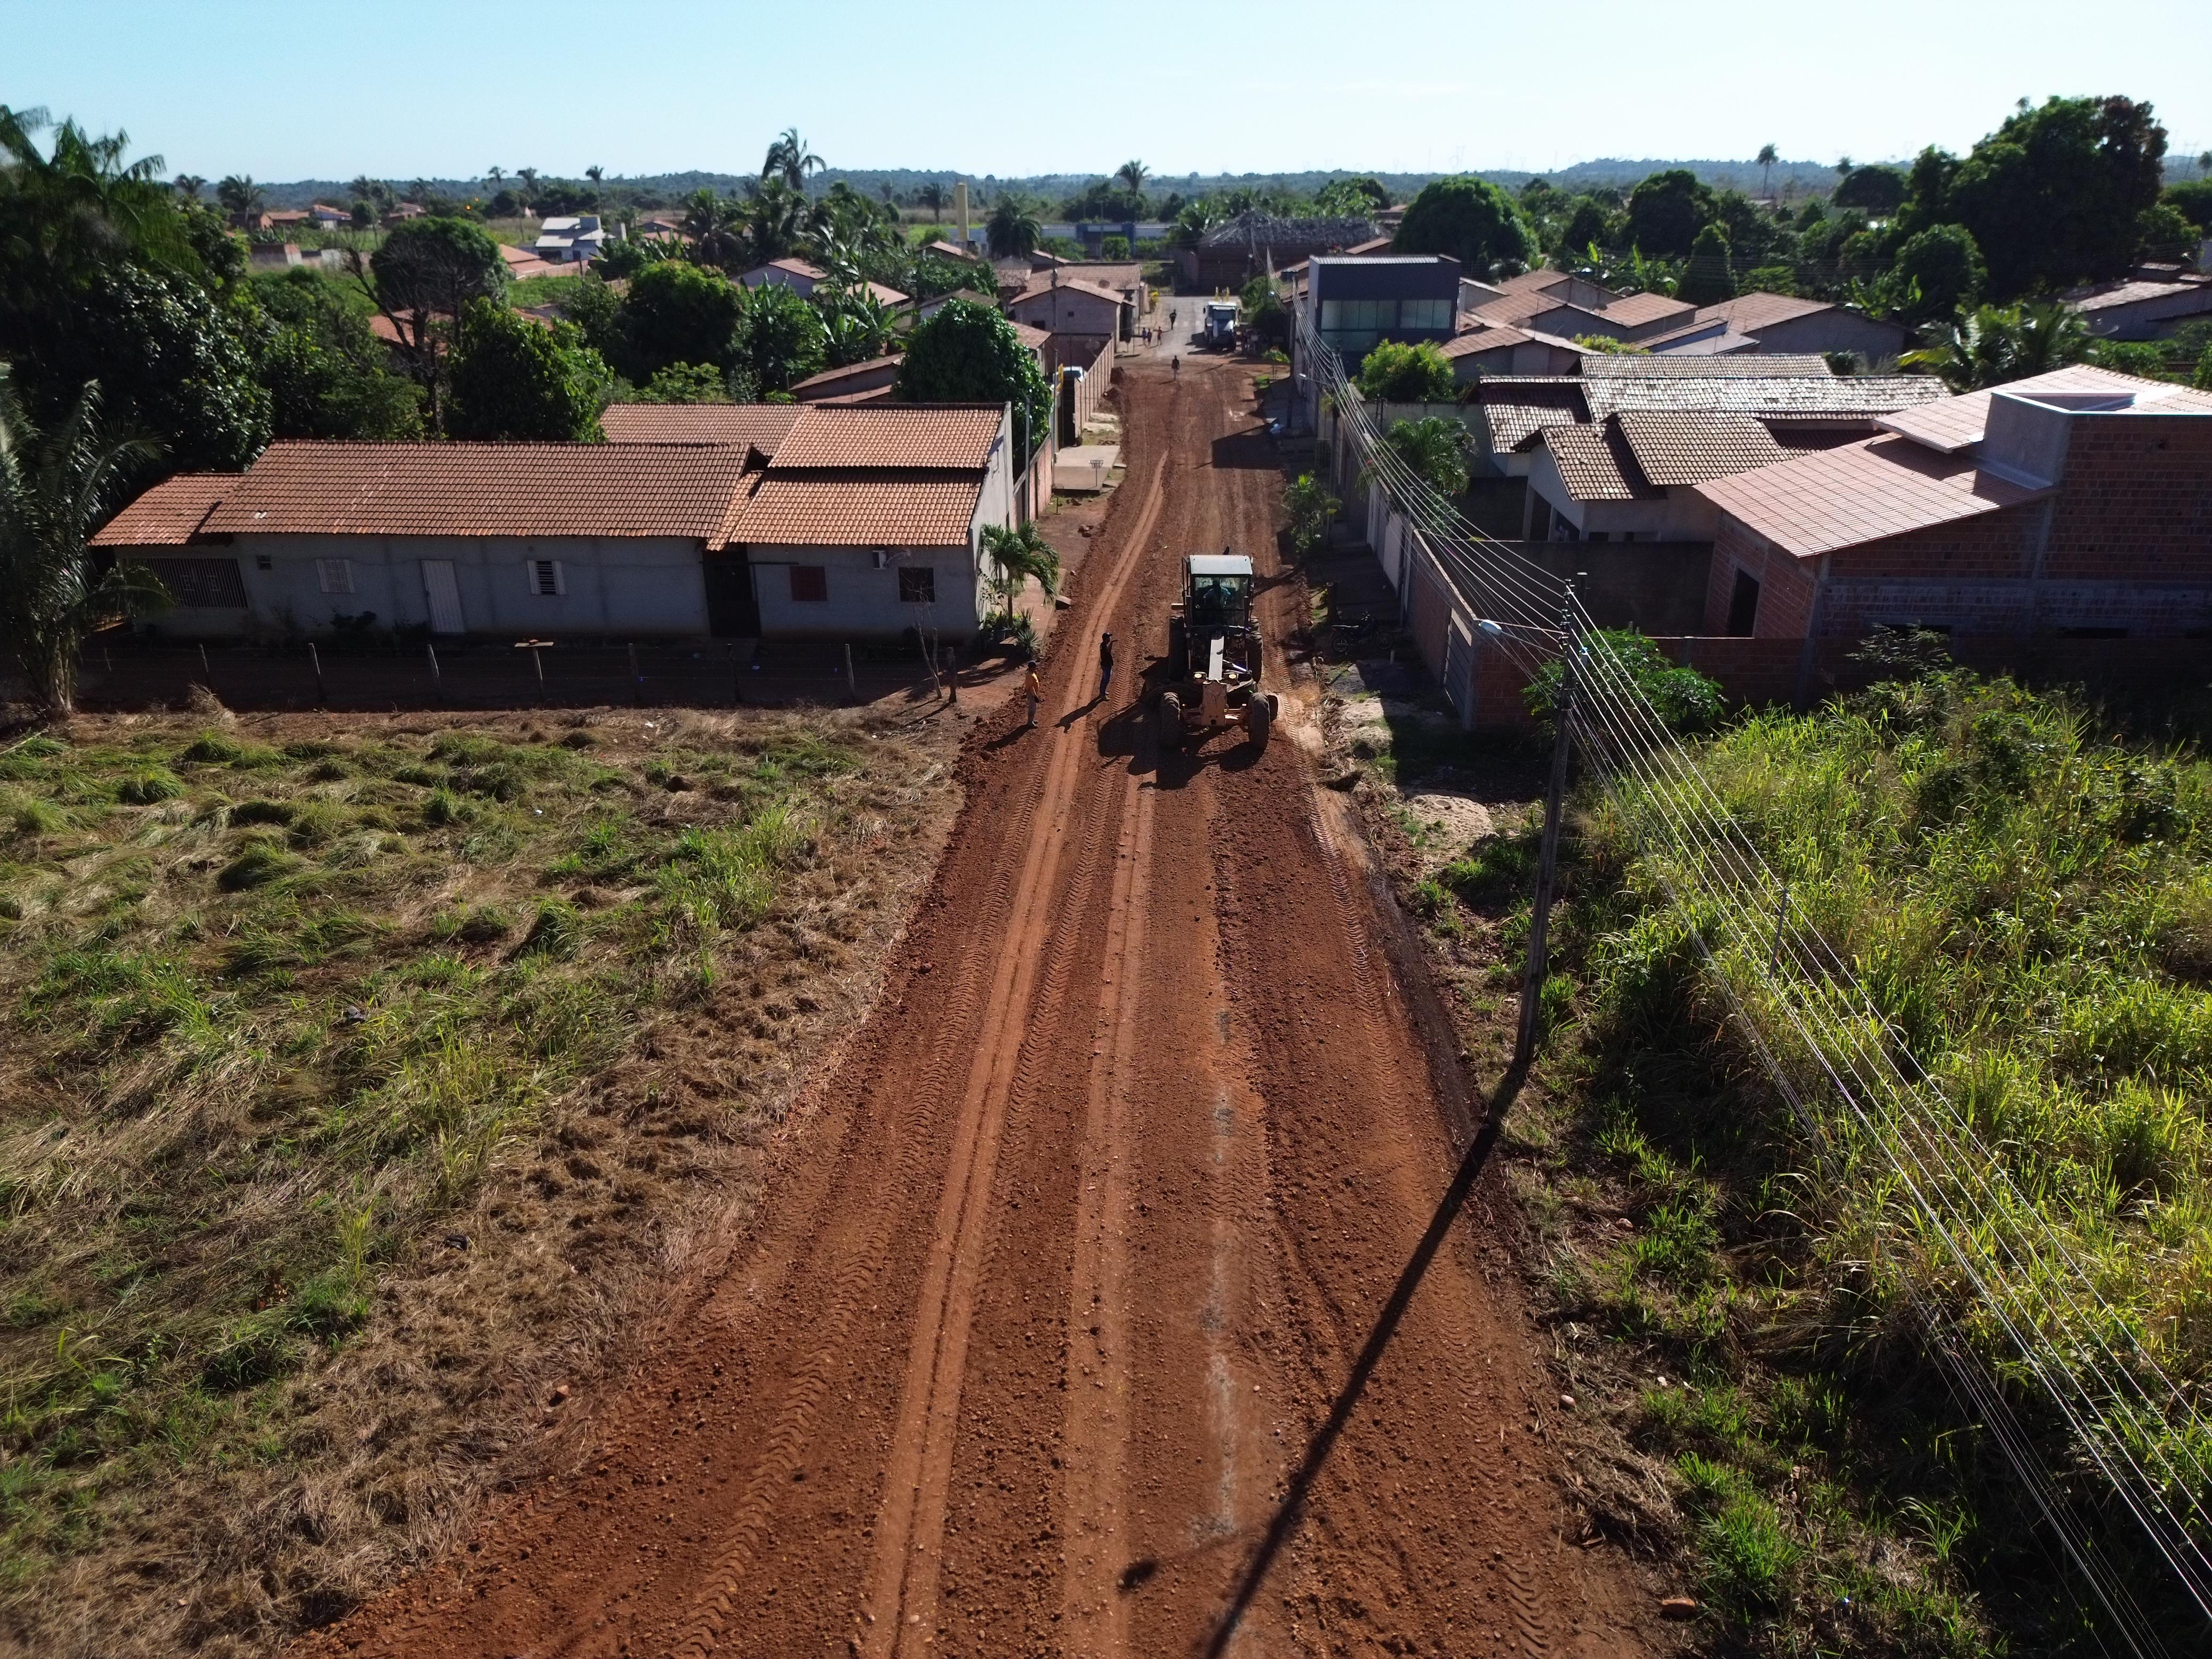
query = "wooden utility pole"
{"x": 1548, "y": 865}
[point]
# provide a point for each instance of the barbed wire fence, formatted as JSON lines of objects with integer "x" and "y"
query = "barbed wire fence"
{"x": 2002, "y": 1300}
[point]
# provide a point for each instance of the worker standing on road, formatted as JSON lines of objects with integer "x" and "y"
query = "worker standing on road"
{"x": 1032, "y": 689}
{"x": 1176, "y": 364}
{"x": 1105, "y": 663}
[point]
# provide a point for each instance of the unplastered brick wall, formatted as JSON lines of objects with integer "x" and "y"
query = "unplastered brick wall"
{"x": 2135, "y": 502}
{"x": 1785, "y": 582}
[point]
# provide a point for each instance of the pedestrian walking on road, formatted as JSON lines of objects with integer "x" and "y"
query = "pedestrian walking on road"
{"x": 1032, "y": 689}
{"x": 1105, "y": 663}
{"x": 1176, "y": 364}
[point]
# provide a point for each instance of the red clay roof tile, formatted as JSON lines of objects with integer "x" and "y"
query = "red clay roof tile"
{"x": 168, "y": 513}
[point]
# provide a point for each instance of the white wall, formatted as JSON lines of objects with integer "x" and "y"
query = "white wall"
{"x": 614, "y": 586}
{"x": 1682, "y": 516}
{"x": 863, "y": 602}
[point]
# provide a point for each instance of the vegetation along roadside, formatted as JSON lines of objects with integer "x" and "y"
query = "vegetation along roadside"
{"x": 2019, "y": 882}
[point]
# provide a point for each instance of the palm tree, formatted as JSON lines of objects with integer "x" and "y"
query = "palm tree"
{"x": 494, "y": 175}
{"x": 790, "y": 159}
{"x": 1435, "y": 449}
{"x": 1767, "y": 161}
{"x": 595, "y": 173}
{"x": 931, "y": 196}
{"x": 241, "y": 198}
{"x": 190, "y": 185}
{"x": 54, "y": 494}
{"x": 1134, "y": 174}
{"x": 527, "y": 177}
{"x": 1020, "y": 551}
{"x": 2205, "y": 165}
{"x": 1998, "y": 344}
{"x": 1012, "y": 229}
{"x": 776, "y": 220}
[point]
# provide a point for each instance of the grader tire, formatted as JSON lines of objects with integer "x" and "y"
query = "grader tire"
{"x": 1259, "y": 719}
{"x": 1171, "y": 720}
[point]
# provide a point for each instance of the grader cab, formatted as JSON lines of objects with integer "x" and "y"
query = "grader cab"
{"x": 1215, "y": 655}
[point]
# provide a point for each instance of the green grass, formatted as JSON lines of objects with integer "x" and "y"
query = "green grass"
{"x": 267, "y": 1013}
{"x": 541, "y": 290}
{"x": 2024, "y": 896}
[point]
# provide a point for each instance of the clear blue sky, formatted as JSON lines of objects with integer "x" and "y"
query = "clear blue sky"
{"x": 401, "y": 90}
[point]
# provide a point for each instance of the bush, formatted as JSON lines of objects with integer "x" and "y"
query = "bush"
{"x": 1685, "y": 699}
{"x": 143, "y": 788}
{"x": 1396, "y": 374}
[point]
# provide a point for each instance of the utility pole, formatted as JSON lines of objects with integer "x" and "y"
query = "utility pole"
{"x": 1548, "y": 866}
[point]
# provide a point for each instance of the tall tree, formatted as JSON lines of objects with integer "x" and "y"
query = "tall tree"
{"x": 1471, "y": 220}
{"x": 1996, "y": 344}
{"x": 784, "y": 341}
{"x": 1767, "y": 161}
{"x": 189, "y": 185}
{"x": 1666, "y": 211}
{"x": 1939, "y": 273}
{"x": 2053, "y": 195}
{"x": 241, "y": 198}
{"x": 1132, "y": 173}
{"x": 676, "y": 313}
{"x": 789, "y": 159}
{"x": 422, "y": 279}
{"x": 595, "y": 173}
{"x": 55, "y": 489}
{"x": 1012, "y": 229}
{"x": 970, "y": 353}
{"x": 1020, "y": 554}
{"x": 515, "y": 378}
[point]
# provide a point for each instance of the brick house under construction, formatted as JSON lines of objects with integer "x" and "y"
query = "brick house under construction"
{"x": 2077, "y": 503}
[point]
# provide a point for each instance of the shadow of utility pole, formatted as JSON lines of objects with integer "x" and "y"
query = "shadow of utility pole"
{"x": 1291, "y": 1511}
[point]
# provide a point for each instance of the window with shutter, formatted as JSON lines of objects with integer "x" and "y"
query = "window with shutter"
{"x": 809, "y": 583}
{"x": 545, "y": 578}
{"x": 336, "y": 574}
{"x": 917, "y": 583}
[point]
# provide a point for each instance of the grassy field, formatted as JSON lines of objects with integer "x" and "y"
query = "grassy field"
{"x": 543, "y": 290}
{"x": 358, "y": 1078}
{"x": 2024, "y": 892}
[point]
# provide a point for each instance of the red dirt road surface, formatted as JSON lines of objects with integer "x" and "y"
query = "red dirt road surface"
{"x": 1068, "y": 1260}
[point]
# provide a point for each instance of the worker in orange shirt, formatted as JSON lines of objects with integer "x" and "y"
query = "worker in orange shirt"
{"x": 1033, "y": 688}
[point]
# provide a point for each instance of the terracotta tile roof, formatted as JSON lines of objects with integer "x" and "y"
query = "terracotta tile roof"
{"x": 1596, "y": 465}
{"x": 1863, "y": 492}
{"x": 938, "y": 436}
{"x": 1747, "y": 313}
{"x": 745, "y": 426}
{"x": 874, "y": 371}
{"x": 1642, "y": 366}
{"x": 168, "y": 513}
{"x": 481, "y": 489}
{"x": 1952, "y": 424}
{"x": 1510, "y": 417}
{"x": 885, "y": 294}
{"x": 1675, "y": 449}
{"x": 1519, "y": 307}
{"x": 797, "y": 267}
{"x": 855, "y": 510}
{"x": 950, "y": 250}
{"x": 1034, "y": 339}
{"x": 1484, "y": 336}
{"x": 1796, "y": 394}
{"x": 1066, "y": 285}
{"x": 1533, "y": 282}
{"x": 1638, "y": 310}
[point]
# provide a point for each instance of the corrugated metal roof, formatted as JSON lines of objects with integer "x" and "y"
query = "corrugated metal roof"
{"x": 1642, "y": 366}
{"x": 1796, "y": 394}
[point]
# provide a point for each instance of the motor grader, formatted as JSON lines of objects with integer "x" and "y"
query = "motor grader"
{"x": 1214, "y": 655}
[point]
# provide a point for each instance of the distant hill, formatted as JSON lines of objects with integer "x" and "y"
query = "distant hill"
{"x": 658, "y": 189}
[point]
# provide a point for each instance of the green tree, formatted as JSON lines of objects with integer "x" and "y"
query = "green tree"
{"x": 239, "y": 198}
{"x": 1012, "y": 230}
{"x": 1434, "y": 449}
{"x": 1682, "y": 697}
{"x": 1589, "y": 226}
{"x": 789, "y": 161}
{"x": 1877, "y": 190}
{"x": 1707, "y": 280}
{"x": 1312, "y": 509}
{"x": 425, "y": 275}
{"x": 1995, "y": 344}
{"x": 2054, "y": 195}
{"x": 325, "y": 367}
{"x": 856, "y": 326}
{"x": 783, "y": 340}
{"x": 2193, "y": 201}
{"x": 685, "y": 383}
{"x": 55, "y": 489}
{"x": 516, "y": 377}
{"x": 1470, "y": 220}
{"x": 1132, "y": 175}
{"x": 107, "y": 274}
{"x": 2164, "y": 231}
{"x": 1019, "y": 553}
{"x": 1939, "y": 273}
{"x": 1394, "y": 372}
{"x": 1767, "y": 157}
{"x": 1666, "y": 211}
{"x": 968, "y": 353}
{"x": 675, "y": 313}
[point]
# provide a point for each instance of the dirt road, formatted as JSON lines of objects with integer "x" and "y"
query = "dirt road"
{"x": 1074, "y": 1249}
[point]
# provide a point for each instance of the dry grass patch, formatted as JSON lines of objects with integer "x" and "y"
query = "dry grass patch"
{"x": 358, "y": 1080}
